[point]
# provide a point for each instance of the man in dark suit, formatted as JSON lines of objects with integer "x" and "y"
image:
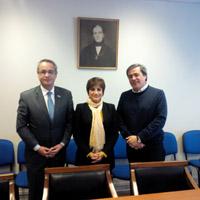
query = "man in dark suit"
{"x": 44, "y": 122}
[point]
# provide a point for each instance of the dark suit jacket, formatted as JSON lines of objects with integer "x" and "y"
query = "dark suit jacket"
{"x": 89, "y": 57}
{"x": 34, "y": 125}
{"x": 82, "y": 127}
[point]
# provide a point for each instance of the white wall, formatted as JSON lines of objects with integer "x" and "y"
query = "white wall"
{"x": 164, "y": 36}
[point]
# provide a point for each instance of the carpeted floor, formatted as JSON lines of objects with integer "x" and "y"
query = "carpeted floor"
{"x": 23, "y": 194}
{"x": 122, "y": 187}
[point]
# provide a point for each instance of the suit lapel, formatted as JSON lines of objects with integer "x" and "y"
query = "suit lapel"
{"x": 41, "y": 102}
{"x": 105, "y": 115}
{"x": 88, "y": 112}
{"x": 58, "y": 101}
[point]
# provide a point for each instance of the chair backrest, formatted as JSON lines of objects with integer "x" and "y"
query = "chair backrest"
{"x": 21, "y": 154}
{"x": 120, "y": 148}
{"x": 161, "y": 176}
{"x": 7, "y": 187}
{"x": 121, "y": 169}
{"x": 82, "y": 182}
{"x": 6, "y": 153}
{"x": 191, "y": 142}
{"x": 170, "y": 144}
{"x": 71, "y": 152}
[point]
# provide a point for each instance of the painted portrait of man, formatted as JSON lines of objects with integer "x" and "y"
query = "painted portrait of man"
{"x": 98, "y": 43}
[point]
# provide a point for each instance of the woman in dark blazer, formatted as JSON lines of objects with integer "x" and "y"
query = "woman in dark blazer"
{"x": 95, "y": 127}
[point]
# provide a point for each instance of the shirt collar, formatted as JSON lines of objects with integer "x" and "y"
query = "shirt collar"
{"x": 44, "y": 91}
{"x": 142, "y": 89}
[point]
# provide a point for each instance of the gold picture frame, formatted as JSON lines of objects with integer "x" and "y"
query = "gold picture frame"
{"x": 97, "y": 43}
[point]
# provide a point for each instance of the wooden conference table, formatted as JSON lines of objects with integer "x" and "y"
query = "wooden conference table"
{"x": 193, "y": 194}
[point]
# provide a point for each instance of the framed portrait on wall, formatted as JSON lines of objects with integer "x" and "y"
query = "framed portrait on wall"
{"x": 97, "y": 43}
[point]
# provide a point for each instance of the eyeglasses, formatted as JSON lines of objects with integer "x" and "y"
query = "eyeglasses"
{"x": 50, "y": 72}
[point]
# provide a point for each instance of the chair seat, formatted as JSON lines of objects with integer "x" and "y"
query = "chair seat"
{"x": 21, "y": 179}
{"x": 121, "y": 171}
{"x": 195, "y": 163}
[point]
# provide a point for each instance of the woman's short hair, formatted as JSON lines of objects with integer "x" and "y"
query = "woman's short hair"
{"x": 95, "y": 81}
{"x": 143, "y": 69}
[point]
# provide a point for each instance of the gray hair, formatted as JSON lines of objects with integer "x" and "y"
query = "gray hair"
{"x": 49, "y": 61}
{"x": 143, "y": 69}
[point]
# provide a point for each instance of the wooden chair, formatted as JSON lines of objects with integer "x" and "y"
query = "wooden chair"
{"x": 7, "y": 187}
{"x": 82, "y": 182}
{"x": 161, "y": 176}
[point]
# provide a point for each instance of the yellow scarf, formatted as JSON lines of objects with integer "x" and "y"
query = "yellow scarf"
{"x": 97, "y": 133}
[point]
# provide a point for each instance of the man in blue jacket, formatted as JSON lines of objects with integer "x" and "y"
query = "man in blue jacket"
{"x": 143, "y": 113}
